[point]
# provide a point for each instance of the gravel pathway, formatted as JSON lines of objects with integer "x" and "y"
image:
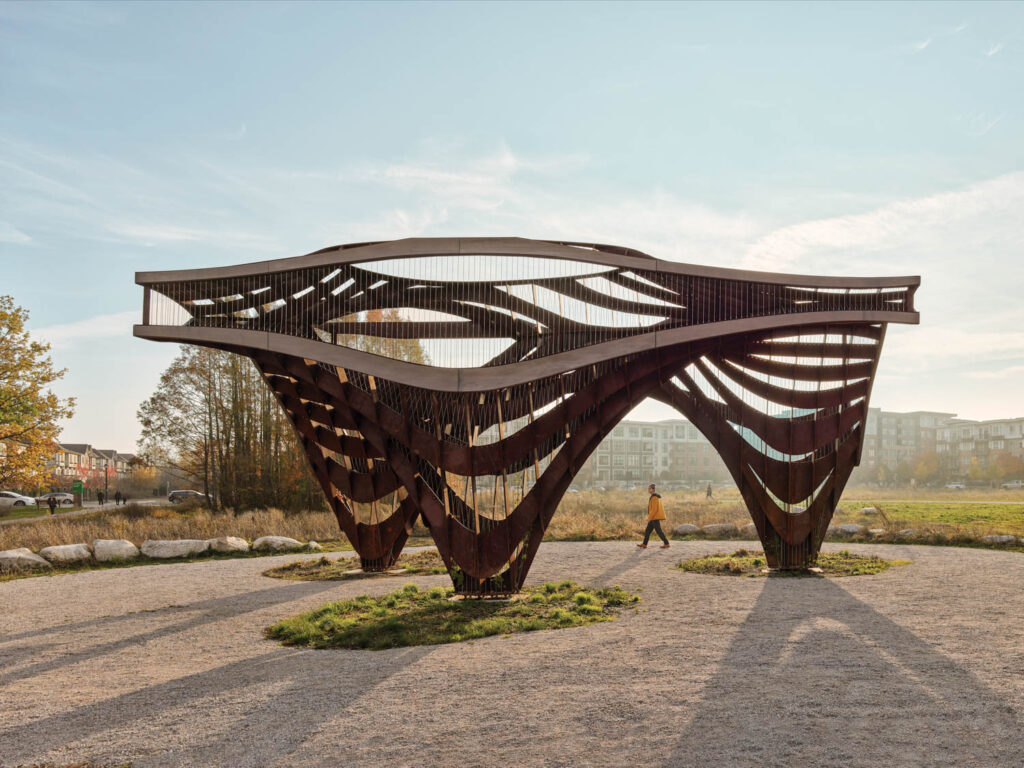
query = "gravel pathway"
{"x": 166, "y": 666}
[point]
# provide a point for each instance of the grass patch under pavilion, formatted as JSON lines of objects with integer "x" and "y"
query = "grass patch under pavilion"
{"x": 753, "y": 564}
{"x": 425, "y": 563}
{"x": 412, "y": 616}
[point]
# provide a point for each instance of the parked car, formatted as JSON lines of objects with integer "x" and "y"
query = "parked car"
{"x": 956, "y": 486}
{"x": 12, "y": 499}
{"x": 62, "y": 498}
{"x": 1013, "y": 484}
{"x": 175, "y": 496}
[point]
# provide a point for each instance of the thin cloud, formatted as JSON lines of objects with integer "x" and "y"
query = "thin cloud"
{"x": 12, "y": 235}
{"x": 107, "y": 326}
{"x": 896, "y": 225}
{"x": 151, "y": 234}
{"x": 979, "y": 125}
{"x": 98, "y": 198}
{"x": 1003, "y": 373}
{"x": 920, "y": 46}
{"x": 994, "y": 49}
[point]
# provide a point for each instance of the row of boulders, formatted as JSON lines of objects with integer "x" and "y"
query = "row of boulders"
{"x": 113, "y": 550}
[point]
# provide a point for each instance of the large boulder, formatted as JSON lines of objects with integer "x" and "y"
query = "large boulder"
{"x": 227, "y": 544}
{"x": 276, "y": 544}
{"x": 166, "y": 550}
{"x": 749, "y": 531}
{"x": 21, "y": 559}
{"x": 105, "y": 550}
{"x": 907, "y": 533}
{"x": 878, "y": 531}
{"x": 685, "y": 529}
{"x": 851, "y": 529}
{"x": 67, "y": 553}
{"x": 998, "y": 539}
{"x": 720, "y": 530}
{"x": 314, "y": 546}
{"x": 833, "y": 530}
{"x": 869, "y": 510}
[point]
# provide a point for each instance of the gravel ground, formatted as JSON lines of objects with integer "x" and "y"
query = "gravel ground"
{"x": 166, "y": 666}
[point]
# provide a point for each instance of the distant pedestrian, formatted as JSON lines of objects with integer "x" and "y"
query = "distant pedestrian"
{"x": 124, "y": 499}
{"x": 99, "y": 498}
{"x": 709, "y": 494}
{"x": 655, "y": 514}
{"x": 117, "y": 498}
{"x": 52, "y": 503}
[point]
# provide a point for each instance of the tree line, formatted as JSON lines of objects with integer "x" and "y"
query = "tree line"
{"x": 213, "y": 419}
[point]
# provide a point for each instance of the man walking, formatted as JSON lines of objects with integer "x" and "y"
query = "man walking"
{"x": 655, "y": 514}
{"x": 52, "y": 503}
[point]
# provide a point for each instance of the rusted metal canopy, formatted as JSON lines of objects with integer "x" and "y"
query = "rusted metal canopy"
{"x": 466, "y": 381}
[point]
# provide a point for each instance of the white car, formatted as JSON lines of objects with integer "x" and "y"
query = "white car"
{"x": 12, "y": 499}
{"x": 61, "y": 498}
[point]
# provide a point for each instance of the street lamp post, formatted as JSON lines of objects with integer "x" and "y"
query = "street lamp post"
{"x": 106, "y": 479}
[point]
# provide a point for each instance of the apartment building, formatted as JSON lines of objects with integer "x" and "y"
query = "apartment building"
{"x": 669, "y": 452}
{"x": 891, "y": 438}
{"x": 81, "y": 459}
{"x": 962, "y": 444}
{"x": 675, "y": 452}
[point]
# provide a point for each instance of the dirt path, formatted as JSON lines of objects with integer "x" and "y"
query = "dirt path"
{"x": 166, "y": 666}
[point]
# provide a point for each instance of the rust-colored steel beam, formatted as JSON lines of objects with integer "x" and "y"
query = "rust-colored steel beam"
{"x": 464, "y": 382}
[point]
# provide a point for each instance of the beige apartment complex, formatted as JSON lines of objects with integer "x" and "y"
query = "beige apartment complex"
{"x": 890, "y": 438}
{"x": 963, "y": 444}
{"x": 81, "y": 459}
{"x": 674, "y": 452}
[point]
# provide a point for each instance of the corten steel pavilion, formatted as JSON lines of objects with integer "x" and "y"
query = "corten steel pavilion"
{"x": 466, "y": 381}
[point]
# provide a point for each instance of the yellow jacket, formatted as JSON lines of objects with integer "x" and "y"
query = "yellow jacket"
{"x": 655, "y": 511}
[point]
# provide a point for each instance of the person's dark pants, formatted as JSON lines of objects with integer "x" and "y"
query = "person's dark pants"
{"x": 654, "y": 525}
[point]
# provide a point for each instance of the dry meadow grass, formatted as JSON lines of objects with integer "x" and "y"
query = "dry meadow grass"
{"x": 137, "y": 525}
{"x": 613, "y": 515}
{"x": 585, "y": 516}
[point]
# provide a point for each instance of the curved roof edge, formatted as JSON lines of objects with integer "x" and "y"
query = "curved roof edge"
{"x": 613, "y": 256}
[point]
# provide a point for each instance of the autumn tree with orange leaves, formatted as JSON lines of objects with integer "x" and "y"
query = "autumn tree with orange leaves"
{"x": 29, "y": 411}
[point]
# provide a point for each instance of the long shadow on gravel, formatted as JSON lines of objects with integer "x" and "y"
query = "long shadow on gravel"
{"x": 800, "y": 686}
{"x": 310, "y": 688}
{"x": 195, "y": 615}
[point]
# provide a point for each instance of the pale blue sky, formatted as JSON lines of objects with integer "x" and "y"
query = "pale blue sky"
{"x": 851, "y": 139}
